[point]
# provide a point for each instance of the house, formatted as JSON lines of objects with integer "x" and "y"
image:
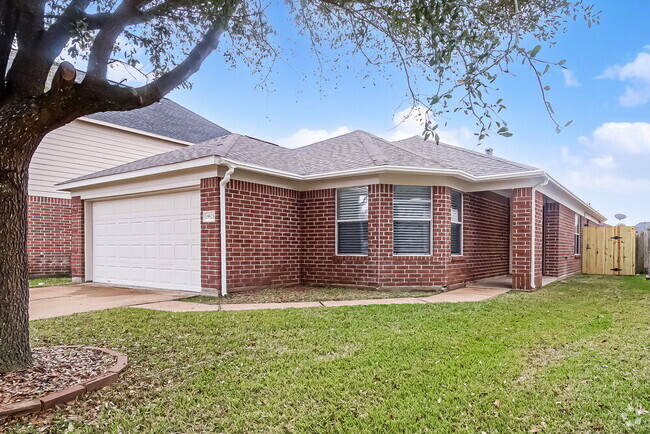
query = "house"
{"x": 85, "y": 146}
{"x": 236, "y": 212}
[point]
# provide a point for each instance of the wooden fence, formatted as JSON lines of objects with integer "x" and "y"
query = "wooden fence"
{"x": 643, "y": 252}
{"x": 609, "y": 250}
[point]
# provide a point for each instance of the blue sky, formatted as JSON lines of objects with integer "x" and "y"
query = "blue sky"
{"x": 603, "y": 156}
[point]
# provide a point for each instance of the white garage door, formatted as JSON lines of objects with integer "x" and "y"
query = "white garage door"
{"x": 150, "y": 241}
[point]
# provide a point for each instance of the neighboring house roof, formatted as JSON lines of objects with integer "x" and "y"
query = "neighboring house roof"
{"x": 355, "y": 150}
{"x": 165, "y": 118}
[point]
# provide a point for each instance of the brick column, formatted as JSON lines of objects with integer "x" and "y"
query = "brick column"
{"x": 380, "y": 231}
{"x": 526, "y": 269}
{"x": 78, "y": 240}
{"x": 210, "y": 236}
{"x": 442, "y": 233}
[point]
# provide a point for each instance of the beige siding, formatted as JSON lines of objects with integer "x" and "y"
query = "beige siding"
{"x": 81, "y": 148}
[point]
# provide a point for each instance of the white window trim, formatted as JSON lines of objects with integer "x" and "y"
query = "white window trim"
{"x": 577, "y": 231}
{"x": 430, "y": 220}
{"x": 461, "y": 222}
{"x": 336, "y": 224}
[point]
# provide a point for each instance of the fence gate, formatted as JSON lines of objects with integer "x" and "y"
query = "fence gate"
{"x": 609, "y": 250}
{"x": 643, "y": 252}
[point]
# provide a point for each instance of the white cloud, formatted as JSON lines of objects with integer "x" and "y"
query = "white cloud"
{"x": 627, "y": 137}
{"x": 570, "y": 79}
{"x": 636, "y": 72}
{"x": 410, "y": 122}
{"x": 607, "y": 183}
{"x": 305, "y": 136}
{"x": 603, "y": 162}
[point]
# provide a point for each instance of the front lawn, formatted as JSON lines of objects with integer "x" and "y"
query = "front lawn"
{"x": 304, "y": 293}
{"x": 573, "y": 357}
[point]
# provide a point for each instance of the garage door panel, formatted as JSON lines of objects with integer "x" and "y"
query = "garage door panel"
{"x": 152, "y": 241}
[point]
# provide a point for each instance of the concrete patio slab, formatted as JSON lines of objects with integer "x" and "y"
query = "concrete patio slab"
{"x": 53, "y": 301}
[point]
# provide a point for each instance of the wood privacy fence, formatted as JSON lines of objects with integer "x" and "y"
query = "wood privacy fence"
{"x": 643, "y": 252}
{"x": 609, "y": 250}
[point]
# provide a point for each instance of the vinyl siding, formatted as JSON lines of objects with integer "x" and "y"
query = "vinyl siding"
{"x": 80, "y": 148}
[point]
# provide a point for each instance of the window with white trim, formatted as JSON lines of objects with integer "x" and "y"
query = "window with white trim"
{"x": 456, "y": 223}
{"x": 352, "y": 221}
{"x": 577, "y": 236}
{"x": 411, "y": 220}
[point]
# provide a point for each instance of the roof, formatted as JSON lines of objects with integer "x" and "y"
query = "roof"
{"x": 355, "y": 150}
{"x": 165, "y": 118}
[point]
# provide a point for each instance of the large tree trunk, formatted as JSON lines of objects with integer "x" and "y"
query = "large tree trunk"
{"x": 16, "y": 149}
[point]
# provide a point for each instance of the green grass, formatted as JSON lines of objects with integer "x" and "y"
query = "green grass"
{"x": 572, "y": 357}
{"x": 50, "y": 281}
{"x": 304, "y": 293}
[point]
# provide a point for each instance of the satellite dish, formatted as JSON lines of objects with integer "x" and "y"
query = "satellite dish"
{"x": 620, "y": 216}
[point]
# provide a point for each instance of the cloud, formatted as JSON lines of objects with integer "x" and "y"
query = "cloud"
{"x": 603, "y": 162}
{"x": 306, "y": 136}
{"x": 628, "y": 137}
{"x": 636, "y": 72}
{"x": 410, "y": 122}
{"x": 570, "y": 79}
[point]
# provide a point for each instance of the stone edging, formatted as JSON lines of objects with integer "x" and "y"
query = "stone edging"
{"x": 68, "y": 394}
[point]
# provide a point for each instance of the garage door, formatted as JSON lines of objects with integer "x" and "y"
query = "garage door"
{"x": 149, "y": 241}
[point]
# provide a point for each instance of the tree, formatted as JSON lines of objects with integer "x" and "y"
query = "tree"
{"x": 456, "y": 48}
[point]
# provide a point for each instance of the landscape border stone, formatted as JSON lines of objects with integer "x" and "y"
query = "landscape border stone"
{"x": 50, "y": 400}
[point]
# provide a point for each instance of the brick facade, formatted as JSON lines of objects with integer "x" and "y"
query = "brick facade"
{"x": 48, "y": 236}
{"x": 283, "y": 237}
{"x": 78, "y": 240}
{"x": 559, "y": 248}
{"x": 526, "y": 270}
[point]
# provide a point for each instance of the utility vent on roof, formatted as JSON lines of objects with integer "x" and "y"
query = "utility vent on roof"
{"x": 489, "y": 151}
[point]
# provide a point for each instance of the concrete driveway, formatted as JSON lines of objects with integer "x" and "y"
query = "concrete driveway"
{"x": 55, "y": 301}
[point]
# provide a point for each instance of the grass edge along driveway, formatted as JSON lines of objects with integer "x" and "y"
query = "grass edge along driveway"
{"x": 572, "y": 357}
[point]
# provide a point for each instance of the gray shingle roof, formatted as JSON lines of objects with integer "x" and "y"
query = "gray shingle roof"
{"x": 166, "y": 118}
{"x": 355, "y": 150}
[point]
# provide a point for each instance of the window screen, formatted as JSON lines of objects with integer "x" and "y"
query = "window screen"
{"x": 352, "y": 220}
{"x": 456, "y": 223}
{"x": 411, "y": 219}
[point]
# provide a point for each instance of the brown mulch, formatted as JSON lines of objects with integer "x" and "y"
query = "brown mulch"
{"x": 55, "y": 368}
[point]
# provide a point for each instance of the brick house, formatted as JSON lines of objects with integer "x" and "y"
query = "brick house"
{"x": 235, "y": 213}
{"x": 89, "y": 144}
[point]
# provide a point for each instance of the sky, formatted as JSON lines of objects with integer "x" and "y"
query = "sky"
{"x": 603, "y": 156}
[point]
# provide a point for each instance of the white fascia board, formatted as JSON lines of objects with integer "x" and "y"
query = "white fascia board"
{"x": 563, "y": 195}
{"x": 134, "y": 131}
{"x": 199, "y": 162}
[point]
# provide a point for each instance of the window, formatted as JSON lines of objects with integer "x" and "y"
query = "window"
{"x": 411, "y": 220}
{"x": 456, "y": 223}
{"x": 352, "y": 220}
{"x": 577, "y": 235}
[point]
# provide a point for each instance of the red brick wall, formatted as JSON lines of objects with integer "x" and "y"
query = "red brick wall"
{"x": 486, "y": 243}
{"x": 263, "y": 236}
{"x": 210, "y": 236}
{"x": 78, "y": 243}
{"x": 559, "y": 257}
{"x": 521, "y": 228}
{"x": 48, "y": 236}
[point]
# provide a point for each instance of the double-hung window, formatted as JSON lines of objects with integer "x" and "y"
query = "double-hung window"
{"x": 411, "y": 220}
{"x": 577, "y": 235}
{"x": 352, "y": 221}
{"x": 456, "y": 223}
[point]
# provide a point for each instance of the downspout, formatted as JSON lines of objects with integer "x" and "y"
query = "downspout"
{"x": 533, "y": 230}
{"x": 222, "y": 226}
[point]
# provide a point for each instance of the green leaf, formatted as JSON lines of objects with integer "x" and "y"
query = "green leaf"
{"x": 547, "y": 88}
{"x": 534, "y": 51}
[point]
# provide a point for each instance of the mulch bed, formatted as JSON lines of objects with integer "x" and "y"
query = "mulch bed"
{"x": 55, "y": 368}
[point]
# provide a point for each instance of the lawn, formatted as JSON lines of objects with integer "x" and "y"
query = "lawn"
{"x": 572, "y": 357}
{"x": 50, "y": 281}
{"x": 304, "y": 293}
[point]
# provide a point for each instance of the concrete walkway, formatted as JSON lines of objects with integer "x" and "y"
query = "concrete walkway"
{"x": 53, "y": 301}
{"x": 456, "y": 296}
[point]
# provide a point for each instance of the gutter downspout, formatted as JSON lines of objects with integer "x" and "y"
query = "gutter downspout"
{"x": 222, "y": 226}
{"x": 533, "y": 229}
